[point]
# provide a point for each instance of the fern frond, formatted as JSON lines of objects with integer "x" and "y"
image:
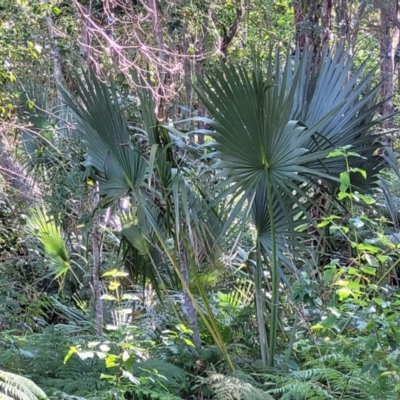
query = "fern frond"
{"x": 16, "y": 387}
{"x": 169, "y": 375}
{"x": 230, "y": 387}
{"x": 333, "y": 376}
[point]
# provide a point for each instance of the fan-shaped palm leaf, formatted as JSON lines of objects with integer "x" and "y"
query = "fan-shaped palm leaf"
{"x": 146, "y": 168}
{"x": 273, "y": 130}
{"x": 38, "y": 148}
{"x": 48, "y": 233}
{"x": 120, "y": 166}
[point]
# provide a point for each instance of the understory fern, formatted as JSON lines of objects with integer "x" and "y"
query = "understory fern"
{"x": 16, "y": 387}
{"x": 141, "y": 393}
{"x": 47, "y": 369}
{"x": 163, "y": 374}
{"x": 331, "y": 377}
{"x": 236, "y": 386}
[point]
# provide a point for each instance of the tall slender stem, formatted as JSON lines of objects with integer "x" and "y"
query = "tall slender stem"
{"x": 96, "y": 251}
{"x": 274, "y": 273}
{"x": 260, "y": 306}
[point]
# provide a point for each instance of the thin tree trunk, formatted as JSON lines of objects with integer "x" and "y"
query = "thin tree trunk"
{"x": 299, "y": 24}
{"x": 326, "y": 18}
{"x": 55, "y": 56}
{"x": 387, "y": 47}
{"x": 162, "y": 57}
{"x": 201, "y": 110}
{"x": 397, "y": 61}
{"x": 84, "y": 41}
{"x": 190, "y": 310}
{"x": 231, "y": 33}
{"x": 96, "y": 254}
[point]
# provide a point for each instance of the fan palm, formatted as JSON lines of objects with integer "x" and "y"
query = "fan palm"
{"x": 170, "y": 208}
{"x": 272, "y": 131}
{"x": 38, "y": 151}
{"x": 48, "y": 233}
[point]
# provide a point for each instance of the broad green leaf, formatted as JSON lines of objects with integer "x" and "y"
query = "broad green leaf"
{"x": 344, "y": 181}
{"x": 114, "y": 285}
{"x": 112, "y": 360}
{"x": 72, "y": 350}
{"x": 112, "y": 273}
{"x": 371, "y": 260}
{"x": 344, "y": 293}
{"x": 108, "y": 297}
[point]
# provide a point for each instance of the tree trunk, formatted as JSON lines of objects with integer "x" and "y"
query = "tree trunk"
{"x": 299, "y": 24}
{"x": 56, "y": 57}
{"x": 96, "y": 280}
{"x": 388, "y": 37}
{"x": 313, "y": 22}
{"x": 232, "y": 31}
{"x": 190, "y": 310}
{"x": 201, "y": 110}
{"x": 96, "y": 254}
{"x": 326, "y": 18}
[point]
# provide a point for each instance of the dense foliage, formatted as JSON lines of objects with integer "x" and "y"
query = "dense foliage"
{"x": 199, "y": 200}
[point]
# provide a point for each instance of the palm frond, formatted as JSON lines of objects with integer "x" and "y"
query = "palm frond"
{"x": 45, "y": 229}
{"x": 118, "y": 161}
{"x": 38, "y": 149}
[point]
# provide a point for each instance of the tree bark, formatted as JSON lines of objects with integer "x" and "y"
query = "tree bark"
{"x": 232, "y": 31}
{"x": 96, "y": 254}
{"x": 56, "y": 57}
{"x": 299, "y": 24}
{"x": 313, "y": 22}
{"x": 388, "y": 37}
{"x": 190, "y": 310}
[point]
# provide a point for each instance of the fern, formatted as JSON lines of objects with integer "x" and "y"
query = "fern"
{"x": 331, "y": 377}
{"x": 236, "y": 386}
{"x": 167, "y": 375}
{"x": 47, "y": 368}
{"x": 16, "y": 387}
{"x": 145, "y": 393}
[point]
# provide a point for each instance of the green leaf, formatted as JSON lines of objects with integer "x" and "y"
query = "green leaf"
{"x": 325, "y": 222}
{"x": 329, "y": 322}
{"x": 329, "y": 274}
{"x": 371, "y": 260}
{"x": 344, "y": 293}
{"x": 336, "y": 153}
{"x": 368, "y": 247}
{"x": 112, "y": 361}
{"x": 108, "y": 297}
{"x": 127, "y": 296}
{"x": 366, "y": 367}
{"x": 113, "y": 286}
{"x": 344, "y": 181}
{"x": 366, "y": 199}
{"x": 359, "y": 170}
{"x": 84, "y": 355}
{"x": 356, "y": 222}
{"x": 112, "y": 273}
{"x": 105, "y": 348}
{"x": 188, "y": 342}
{"x": 72, "y": 350}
